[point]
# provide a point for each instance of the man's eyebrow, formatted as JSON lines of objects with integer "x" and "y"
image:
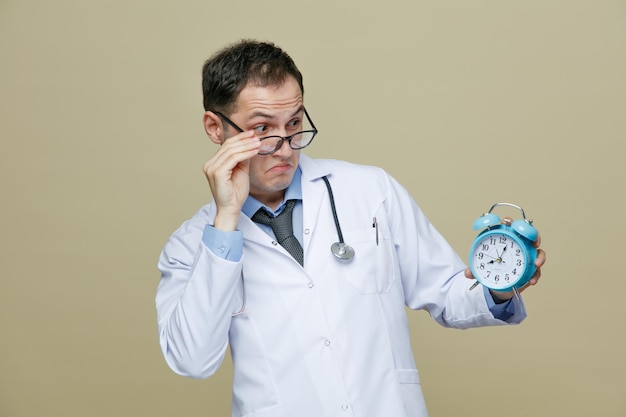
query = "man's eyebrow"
{"x": 298, "y": 110}
{"x": 270, "y": 116}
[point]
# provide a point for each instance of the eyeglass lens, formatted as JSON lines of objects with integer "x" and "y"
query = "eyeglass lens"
{"x": 271, "y": 144}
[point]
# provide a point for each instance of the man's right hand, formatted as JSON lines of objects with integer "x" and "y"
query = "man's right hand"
{"x": 228, "y": 175}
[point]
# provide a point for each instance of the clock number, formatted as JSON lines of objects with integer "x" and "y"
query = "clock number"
{"x": 485, "y": 247}
{"x": 519, "y": 262}
{"x": 503, "y": 239}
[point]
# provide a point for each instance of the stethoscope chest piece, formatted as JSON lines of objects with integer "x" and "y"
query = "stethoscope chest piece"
{"x": 342, "y": 251}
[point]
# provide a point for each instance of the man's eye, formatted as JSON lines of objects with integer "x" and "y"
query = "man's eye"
{"x": 260, "y": 128}
{"x": 294, "y": 123}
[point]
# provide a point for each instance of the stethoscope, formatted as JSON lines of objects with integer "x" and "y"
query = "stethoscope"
{"x": 340, "y": 249}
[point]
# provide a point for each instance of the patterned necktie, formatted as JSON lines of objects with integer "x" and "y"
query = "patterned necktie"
{"x": 283, "y": 229}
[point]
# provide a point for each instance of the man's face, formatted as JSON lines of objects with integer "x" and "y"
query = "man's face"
{"x": 271, "y": 110}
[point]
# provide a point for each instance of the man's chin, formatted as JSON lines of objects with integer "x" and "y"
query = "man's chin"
{"x": 275, "y": 186}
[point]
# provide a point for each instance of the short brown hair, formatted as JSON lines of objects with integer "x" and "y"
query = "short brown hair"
{"x": 227, "y": 72}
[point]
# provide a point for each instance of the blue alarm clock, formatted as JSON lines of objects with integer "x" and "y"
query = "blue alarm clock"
{"x": 502, "y": 257}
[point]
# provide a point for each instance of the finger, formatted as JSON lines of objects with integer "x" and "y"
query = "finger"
{"x": 468, "y": 273}
{"x": 238, "y": 143}
{"x": 232, "y": 153}
{"x": 535, "y": 278}
{"x": 541, "y": 258}
{"x": 537, "y": 242}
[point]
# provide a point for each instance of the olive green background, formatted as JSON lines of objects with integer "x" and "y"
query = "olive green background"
{"x": 465, "y": 102}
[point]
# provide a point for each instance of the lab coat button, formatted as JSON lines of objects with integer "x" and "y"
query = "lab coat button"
{"x": 274, "y": 243}
{"x": 307, "y": 231}
{"x": 344, "y": 407}
{"x": 311, "y": 285}
{"x": 221, "y": 249}
{"x": 327, "y": 342}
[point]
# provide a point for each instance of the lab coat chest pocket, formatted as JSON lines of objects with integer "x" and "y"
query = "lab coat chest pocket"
{"x": 373, "y": 269}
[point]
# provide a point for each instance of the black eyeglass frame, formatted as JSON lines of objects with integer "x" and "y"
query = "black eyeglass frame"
{"x": 283, "y": 138}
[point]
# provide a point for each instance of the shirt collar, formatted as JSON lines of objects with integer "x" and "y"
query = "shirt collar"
{"x": 293, "y": 192}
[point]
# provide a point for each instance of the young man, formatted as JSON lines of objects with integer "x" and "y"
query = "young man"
{"x": 313, "y": 331}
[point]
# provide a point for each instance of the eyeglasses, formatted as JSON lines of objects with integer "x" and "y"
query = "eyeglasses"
{"x": 271, "y": 144}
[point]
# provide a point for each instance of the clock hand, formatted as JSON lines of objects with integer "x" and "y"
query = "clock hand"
{"x": 493, "y": 258}
{"x": 503, "y": 250}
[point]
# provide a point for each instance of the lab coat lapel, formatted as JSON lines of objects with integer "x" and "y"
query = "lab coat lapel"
{"x": 313, "y": 190}
{"x": 253, "y": 233}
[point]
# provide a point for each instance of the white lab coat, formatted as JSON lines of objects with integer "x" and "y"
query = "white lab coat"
{"x": 329, "y": 339}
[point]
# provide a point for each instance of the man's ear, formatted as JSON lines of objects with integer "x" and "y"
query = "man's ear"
{"x": 213, "y": 127}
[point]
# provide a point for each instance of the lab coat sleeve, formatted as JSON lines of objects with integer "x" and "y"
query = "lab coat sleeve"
{"x": 195, "y": 301}
{"x": 432, "y": 273}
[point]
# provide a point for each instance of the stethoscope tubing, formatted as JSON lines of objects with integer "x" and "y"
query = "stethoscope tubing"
{"x": 340, "y": 249}
{"x": 334, "y": 209}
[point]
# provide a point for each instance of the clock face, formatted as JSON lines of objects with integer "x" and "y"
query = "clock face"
{"x": 498, "y": 261}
